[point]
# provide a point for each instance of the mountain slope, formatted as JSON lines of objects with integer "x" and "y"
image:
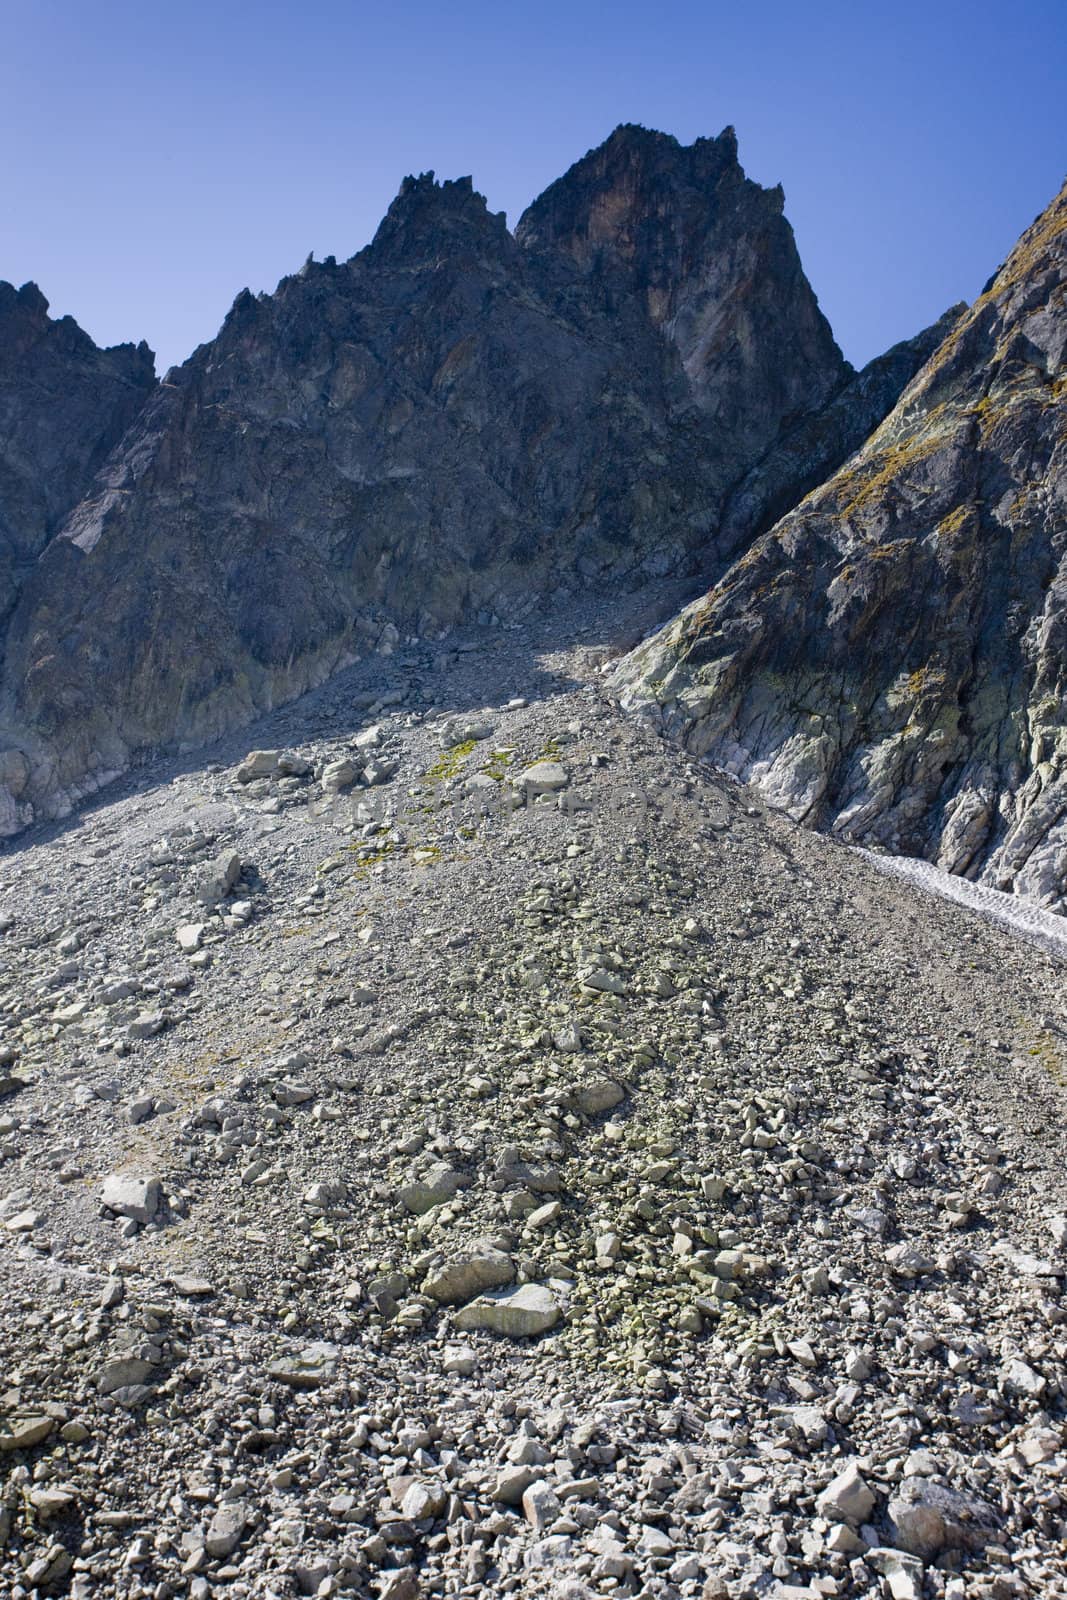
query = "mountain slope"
{"x": 889, "y": 660}
{"x": 455, "y": 423}
{"x": 759, "y": 1169}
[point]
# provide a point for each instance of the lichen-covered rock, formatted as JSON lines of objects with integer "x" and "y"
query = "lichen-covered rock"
{"x": 806, "y": 454}
{"x": 888, "y": 661}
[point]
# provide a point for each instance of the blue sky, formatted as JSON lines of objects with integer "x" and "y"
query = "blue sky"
{"x": 159, "y": 157}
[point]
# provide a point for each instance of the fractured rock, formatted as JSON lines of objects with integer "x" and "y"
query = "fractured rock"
{"x": 133, "y": 1197}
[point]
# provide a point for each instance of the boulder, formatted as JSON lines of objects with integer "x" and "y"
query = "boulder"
{"x": 846, "y": 1498}
{"x": 438, "y": 1185}
{"x": 469, "y": 1272}
{"x": 258, "y": 764}
{"x": 544, "y": 777}
{"x": 520, "y": 1313}
{"x": 132, "y": 1197}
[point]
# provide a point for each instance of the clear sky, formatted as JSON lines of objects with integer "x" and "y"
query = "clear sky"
{"x": 159, "y": 156}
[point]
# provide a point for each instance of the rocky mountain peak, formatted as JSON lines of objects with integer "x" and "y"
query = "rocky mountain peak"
{"x": 455, "y": 424}
{"x": 714, "y": 260}
{"x": 431, "y": 221}
{"x": 24, "y": 322}
{"x": 22, "y": 312}
{"x": 64, "y": 404}
{"x": 640, "y": 198}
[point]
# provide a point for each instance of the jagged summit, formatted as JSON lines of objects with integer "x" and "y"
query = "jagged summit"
{"x": 714, "y": 259}
{"x": 28, "y": 303}
{"x": 64, "y": 404}
{"x": 24, "y": 320}
{"x": 431, "y": 219}
{"x": 601, "y": 204}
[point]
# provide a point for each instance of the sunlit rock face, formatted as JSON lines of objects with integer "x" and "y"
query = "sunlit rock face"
{"x": 889, "y": 660}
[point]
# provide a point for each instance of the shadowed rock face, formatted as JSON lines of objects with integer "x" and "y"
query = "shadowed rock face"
{"x": 714, "y": 262}
{"x": 64, "y": 404}
{"x": 889, "y": 661}
{"x": 458, "y": 423}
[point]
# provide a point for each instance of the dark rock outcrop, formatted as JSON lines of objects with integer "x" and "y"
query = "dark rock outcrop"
{"x": 64, "y": 404}
{"x": 805, "y": 455}
{"x": 890, "y": 660}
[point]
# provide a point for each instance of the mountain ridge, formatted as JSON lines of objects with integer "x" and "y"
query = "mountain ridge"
{"x": 389, "y": 445}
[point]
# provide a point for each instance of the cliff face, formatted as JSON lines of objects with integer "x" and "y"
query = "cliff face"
{"x": 458, "y": 423}
{"x": 63, "y": 405}
{"x": 890, "y": 660}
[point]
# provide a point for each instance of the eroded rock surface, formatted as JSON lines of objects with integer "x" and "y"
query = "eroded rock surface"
{"x": 64, "y": 404}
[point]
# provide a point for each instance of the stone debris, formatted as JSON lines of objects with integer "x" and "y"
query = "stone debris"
{"x": 634, "y": 1202}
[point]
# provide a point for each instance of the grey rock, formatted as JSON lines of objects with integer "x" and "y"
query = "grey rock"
{"x": 399, "y": 1585}
{"x": 130, "y": 1196}
{"x": 846, "y": 1498}
{"x": 122, "y": 1373}
{"x": 652, "y": 313}
{"x": 193, "y": 1288}
{"x": 215, "y": 881}
{"x": 540, "y": 1505}
{"x": 64, "y": 404}
{"x": 422, "y": 1500}
{"x": 544, "y": 777}
{"x": 225, "y": 1530}
{"x": 806, "y": 669}
{"x": 259, "y": 764}
{"x": 22, "y": 1432}
{"x": 600, "y": 1095}
{"x": 439, "y": 1185}
{"x": 477, "y": 1268}
{"x": 339, "y": 775}
{"x": 461, "y": 1360}
{"x": 289, "y": 1094}
{"x": 460, "y": 730}
{"x": 308, "y": 1368}
{"x": 512, "y": 1483}
{"x": 520, "y": 1313}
